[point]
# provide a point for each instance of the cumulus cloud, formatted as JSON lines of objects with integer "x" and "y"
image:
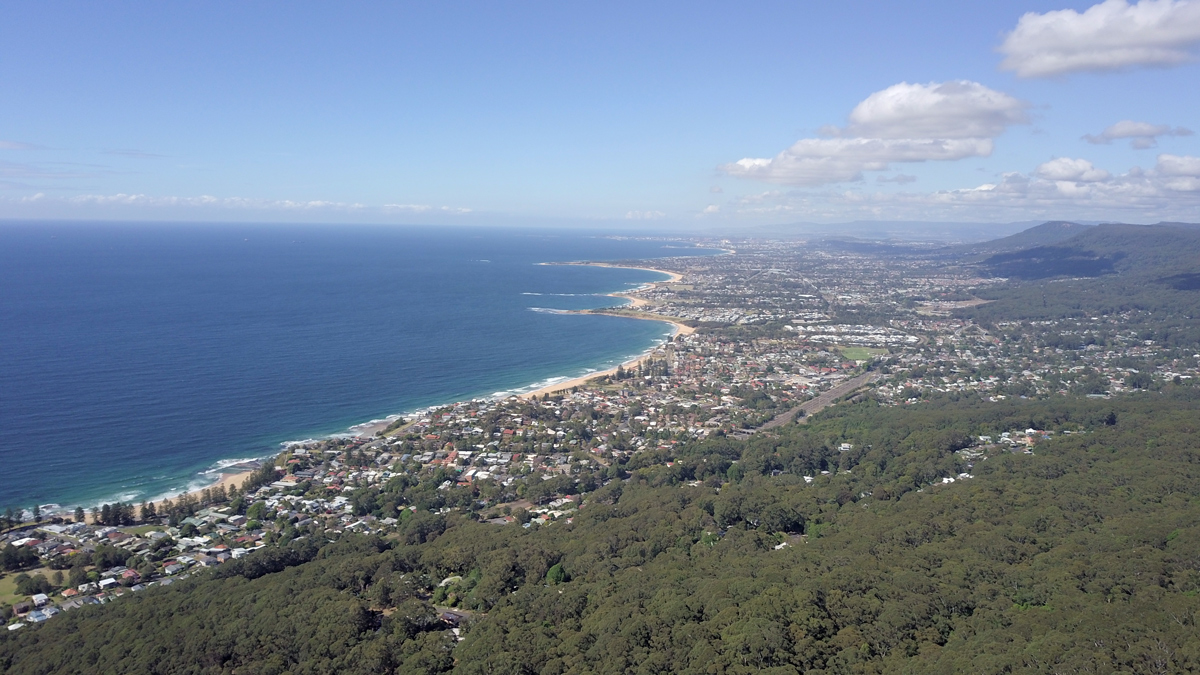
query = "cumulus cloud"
{"x": 1178, "y": 165}
{"x": 1142, "y": 134}
{"x": 947, "y": 110}
{"x": 904, "y": 123}
{"x": 1063, "y": 188}
{"x": 769, "y": 195}
{"x": 1112, "y": 35}
{"x": 712, "y": 208}
{"x": 900, "y": 179}
{"x": 1181, "y": 172}
{"x": 1066, "y": 169}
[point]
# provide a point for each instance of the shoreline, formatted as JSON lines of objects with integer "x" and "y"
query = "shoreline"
{"x": 634, "y": 303}
{"x": 370, "y": 428}
{"x": 234, "y": 477}
{"x": 674, "y": 276}
{"x": 227, "y": 479}
{"x": 680, "y": 329}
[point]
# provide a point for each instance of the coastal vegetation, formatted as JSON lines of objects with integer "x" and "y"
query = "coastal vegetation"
{"x": 994, "y": 487}
{"x": 1081, "y": 556}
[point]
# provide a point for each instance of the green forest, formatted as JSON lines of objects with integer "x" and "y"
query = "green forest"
{"x": 871, "y": 537}
{"x": 1081, "y": 557}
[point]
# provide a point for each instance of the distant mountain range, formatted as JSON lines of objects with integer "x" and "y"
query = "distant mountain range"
{"x": 1167, "y": 252}
{"x": 1046, "y": 234}
{"x": 892, "y": 230}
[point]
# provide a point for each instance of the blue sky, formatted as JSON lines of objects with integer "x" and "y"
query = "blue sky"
{"x": 550, "y": 112}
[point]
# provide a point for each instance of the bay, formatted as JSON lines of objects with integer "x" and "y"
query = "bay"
{"x": 135, "y": 359}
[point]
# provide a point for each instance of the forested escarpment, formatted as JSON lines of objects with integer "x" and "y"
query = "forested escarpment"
{"x": 1081, "y": 557}
{"x": 1149, "y": 268}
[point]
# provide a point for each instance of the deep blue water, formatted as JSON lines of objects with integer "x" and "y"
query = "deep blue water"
{"x": 134, "y": 357}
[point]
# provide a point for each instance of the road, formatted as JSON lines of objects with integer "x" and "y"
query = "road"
{"x": 819, "y": 403}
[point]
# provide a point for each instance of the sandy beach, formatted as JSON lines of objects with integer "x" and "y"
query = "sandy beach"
{"x": 369, "y": 429}
{"x": 675, "y": 277}
{"x": 228, "y": 479}
{"x": 635, "y": 302}
{"x": 580, "y": 381}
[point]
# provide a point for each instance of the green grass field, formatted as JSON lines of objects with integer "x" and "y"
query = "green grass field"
{"x": 8, "y": 585}
{"x": 862, "y": 353}
{"x": 8, "y": 590}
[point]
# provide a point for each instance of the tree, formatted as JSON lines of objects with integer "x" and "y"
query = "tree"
{"x": 15, "y": 558}
{"x": 79, "y": 514}
{"x": 32, "y": 584}
{"x": 37, "y": 513}
{"x": 77, "y": 576}
{"x": 1139, "y": 380}
{"x": 257, "y": 511}
{"x": 556, "y": 574}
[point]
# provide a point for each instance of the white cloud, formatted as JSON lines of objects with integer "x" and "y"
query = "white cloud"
{"x": 1075, "y": 170}
{"x": 769, "y": 195}
{"x": 899, "y": 179}
{"x": 1143, "y": 134}
{"x": 1064, "y": 188}
{"x": 904, "y": 123}
{"x": 816, "y": 161}
{"x": 1112, "y": 35}
{"x": 1178, "y": 165}
{"x": 712, "y": 208}
{"x": 411, "y": 208}
{"x": 1181, "y": 172}
{"x": 948, "y": 110}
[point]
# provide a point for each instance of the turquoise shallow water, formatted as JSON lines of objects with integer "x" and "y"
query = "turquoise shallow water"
{"x": 134, "y": 358}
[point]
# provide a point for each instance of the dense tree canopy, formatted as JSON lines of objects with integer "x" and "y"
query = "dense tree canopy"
{"x": 1081, "y": 557}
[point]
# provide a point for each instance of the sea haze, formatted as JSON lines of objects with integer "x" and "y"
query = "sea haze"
{"x": 134, "y": 358}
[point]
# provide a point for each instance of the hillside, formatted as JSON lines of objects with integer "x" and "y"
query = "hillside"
{"x": 1108, "y": 270}
{"x": 1046, "y": 234}
{"x": 1140, "y": 250}
{"x": 1078, "y": 558}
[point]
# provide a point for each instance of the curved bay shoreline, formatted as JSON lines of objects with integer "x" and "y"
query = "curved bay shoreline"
{"x": 234, "y": 476}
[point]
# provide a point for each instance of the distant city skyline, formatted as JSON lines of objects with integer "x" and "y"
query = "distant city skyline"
{"x": 658, "y": 116}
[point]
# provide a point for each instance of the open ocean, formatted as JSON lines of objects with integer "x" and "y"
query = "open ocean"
{"x": 137, "y": 359}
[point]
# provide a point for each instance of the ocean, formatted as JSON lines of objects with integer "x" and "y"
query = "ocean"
{"x": 136, "y": 360}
